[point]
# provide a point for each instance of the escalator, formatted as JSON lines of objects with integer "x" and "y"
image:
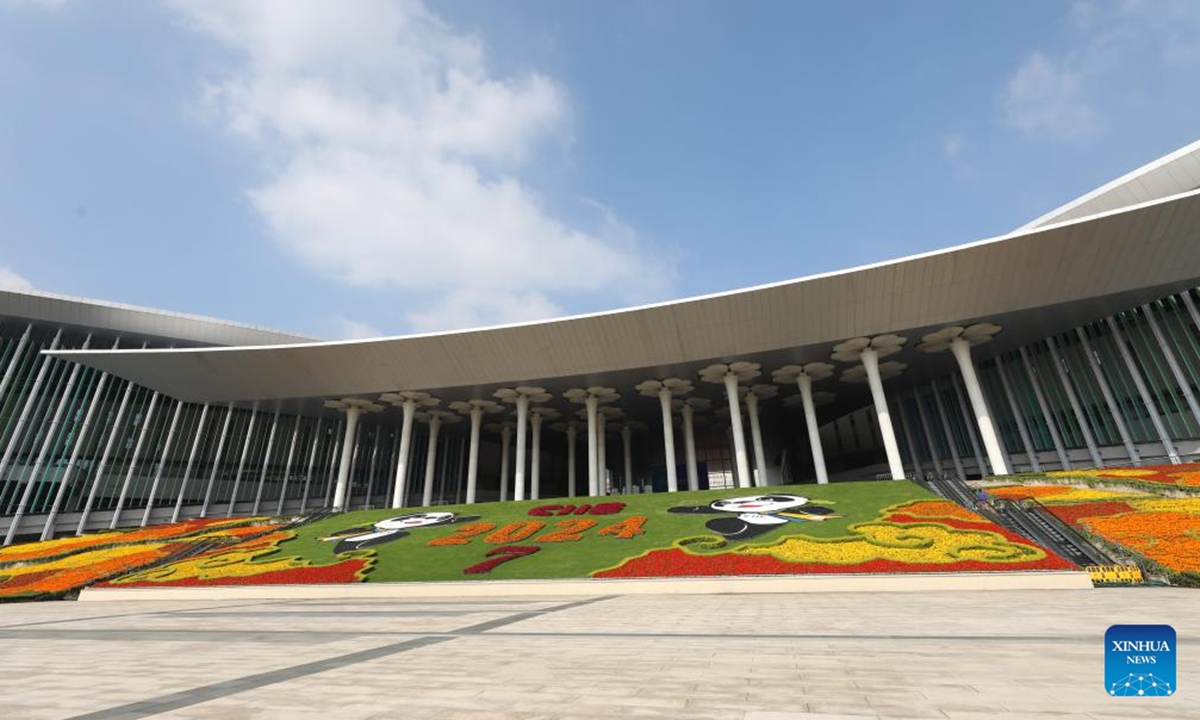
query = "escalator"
{"x": 1027, "y": 518}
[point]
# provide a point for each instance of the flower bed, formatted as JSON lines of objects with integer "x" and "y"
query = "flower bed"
{"x": 923, "y": 536}
{"x": 1052, "y": 494}
{"x": 243, "y": 564}
{"x": 67, "y": 573}
{"x": 55, "y": 567}
{"x": 1184, "y": 477}
{"x": 866, "y": 527}
{"x": 200, "y": 527}
{"x": 1163, "y": 531}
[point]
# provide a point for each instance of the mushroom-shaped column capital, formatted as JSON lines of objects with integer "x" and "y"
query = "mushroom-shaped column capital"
{"x": 814, "y": 371}
{"x": 358, "y": 405}
{"x": 672, "y": 386}
{"x": 512, "y": 395}
{"x": 851, "y": 351}
{"x": 601, "y": 395}
{"x": 945, "y": 339}
{"x": 441, "y": 417}
{"x": 416, "y": 398}
{"x": 480, "y": 406}
{"x": 742, "y": 370}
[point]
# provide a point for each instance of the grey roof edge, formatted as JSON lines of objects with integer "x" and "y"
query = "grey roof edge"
{"x": 38, "y": 305}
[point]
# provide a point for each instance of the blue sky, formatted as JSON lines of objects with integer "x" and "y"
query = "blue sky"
{"x": 366, "y": 167}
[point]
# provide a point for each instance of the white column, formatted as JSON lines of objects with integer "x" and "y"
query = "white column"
{"x": 287, "y": 466}
{"x": 571, "y": 435}
{"x": 31, "y": 399}
{"x": 593, "y": 450}
{"x": 241, "y": 467}
{"x": 191, "y": 462}
{"x": 535, "y": 462}
{"x": 147, "y": 420}
{"x": 689, "y": 447}
{"x": 965, "y": 414}
{"x": 315, "y": 442}
{"x": 16, "y": 358}
{"x": 760, "y": 457}
{"x": 343, "y": 476}
{"x": 735, "y": 427}
{"x": 1148, "y": 402}
{"x": 266, "y": 465}
{"x": 927, "y": 430}
{"x": 1063, "y": 460}
{"x": 113, "y": 433}
{"x": 668, "y": 426}
{"x": 1113, "y": 409}
{"x": 870, "y": 361}
{"x": 330, "y": 478}
{"x": 987, "y": 433}
{"x": 522, "y": 423}
{"x": 473, "y": 457}
{"x": 948, "y": 431}
{"x": 65, "y": 481}
{"x": 1018, "y": 417}
{"x": 435, "y": 424}
{"x": 804, "y": 382}
{"x": 162, "y": 463}
{"x": 50, "y": 436}
{"x": 602, "y": 454}
{"x": 918, "y": 468}
{"x": 1080, "y": 418}
{"x": 733, "y": 470}
{"x": 400, "y": 488}
{"x": 627, "y": 446}
{"x": 1185, "y": 387}
{"x": 505, "y": 450}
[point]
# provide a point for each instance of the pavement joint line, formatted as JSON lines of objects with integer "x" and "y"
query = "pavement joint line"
{"x": 333, "y": 613}
{"x": 194, "y": 696}
{"x": 521, "y": 616}
{"x": 204, "y": 693}
{"x": 141, "y": 613}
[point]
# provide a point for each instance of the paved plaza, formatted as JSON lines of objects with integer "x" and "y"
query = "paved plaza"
{"x": 1021, "y": 654}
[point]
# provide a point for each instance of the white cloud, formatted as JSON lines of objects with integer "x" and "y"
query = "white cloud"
{"x": 42, "y": 3}
{"x": 953, "y": 146}
{"x": 467, "y": 308}
{"x": 10, "y": 280}
{"x": 350, "y": 329}
{"x": 1043, "y": 99}
{"x": 1110, "y": 52}
{"x": 394, "y": 158}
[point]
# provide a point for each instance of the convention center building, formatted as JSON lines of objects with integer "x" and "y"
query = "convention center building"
{"x": 1073, "y": 341}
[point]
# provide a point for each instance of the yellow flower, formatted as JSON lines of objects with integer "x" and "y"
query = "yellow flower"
{"x": 911, "y": 543}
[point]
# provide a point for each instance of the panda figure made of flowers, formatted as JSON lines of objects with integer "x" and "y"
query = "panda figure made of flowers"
{"x": 749, "y": 516}
{"x": 390, "y": 529}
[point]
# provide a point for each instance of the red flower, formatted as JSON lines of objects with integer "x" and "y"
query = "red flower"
{"x": 679, "y": 563}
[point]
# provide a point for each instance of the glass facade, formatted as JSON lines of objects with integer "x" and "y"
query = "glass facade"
{"x": 1120, "y": 391}
{"x": 83, "y": 450}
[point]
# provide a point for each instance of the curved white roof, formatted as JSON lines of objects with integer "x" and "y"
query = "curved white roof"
{"x": 1173, "y": 174}
{"x": 134, "y": 321}
{"x": 1044, "y": 278}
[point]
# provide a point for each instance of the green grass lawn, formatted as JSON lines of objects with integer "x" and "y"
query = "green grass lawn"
{"x": 411, "y": 558}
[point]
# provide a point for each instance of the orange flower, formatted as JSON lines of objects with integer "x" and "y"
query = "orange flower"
{"x": 936, "y": 509}
{"x": 1170, "y": 538}
{"x": 1020, "y": 492}
{"x": 207, "y": 527}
